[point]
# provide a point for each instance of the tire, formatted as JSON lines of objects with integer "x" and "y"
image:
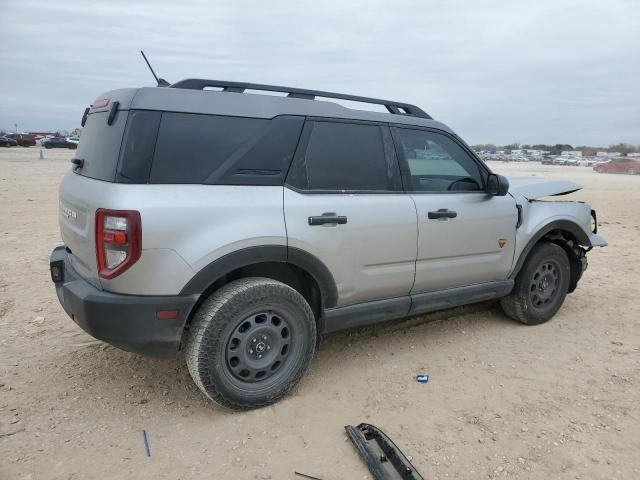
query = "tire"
{"x": 632, "y": 171}
{"x": 531, "y": 301}
{"x": 220, "y": 352}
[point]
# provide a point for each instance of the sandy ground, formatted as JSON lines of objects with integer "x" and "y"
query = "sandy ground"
{"x": 559, "y": 401}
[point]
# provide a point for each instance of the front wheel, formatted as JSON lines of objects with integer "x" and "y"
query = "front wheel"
{"x": 540, "y": 287}
{"x": 250, "y": 343}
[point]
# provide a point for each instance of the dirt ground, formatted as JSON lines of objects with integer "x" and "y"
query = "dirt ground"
{"x": 557, "y": 401}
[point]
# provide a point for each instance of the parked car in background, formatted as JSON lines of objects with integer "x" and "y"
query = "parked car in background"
{"x": 60, "y": 142}
{"x": 590, "y": 162}
{"x": 23, "y": 139}
{"x": 7, "y": 142}
{"x": 547, "y": 161}
{"x": 626, "y": 165}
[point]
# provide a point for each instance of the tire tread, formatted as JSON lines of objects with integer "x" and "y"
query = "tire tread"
{"x": 516, "y": 305}
{"x": 207, "y": 323}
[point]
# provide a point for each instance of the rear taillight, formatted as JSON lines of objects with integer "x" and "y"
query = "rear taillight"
{"x": 118, "y": 241}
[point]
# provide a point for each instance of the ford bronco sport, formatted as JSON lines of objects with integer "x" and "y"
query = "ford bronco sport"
{"x": 240, "y": 226}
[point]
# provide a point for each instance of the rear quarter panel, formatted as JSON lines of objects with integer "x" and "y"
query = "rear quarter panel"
{"x": 184, "y": 227}
{"x": 199, "y": 224}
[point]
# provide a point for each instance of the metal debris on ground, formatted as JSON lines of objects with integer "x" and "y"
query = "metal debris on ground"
{"x": 304, "y": 475}
{"x": 382, "y": 456}
{"x": 146, "y": 443}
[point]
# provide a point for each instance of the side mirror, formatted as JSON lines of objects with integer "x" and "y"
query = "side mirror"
{"x": 497, "y": 185}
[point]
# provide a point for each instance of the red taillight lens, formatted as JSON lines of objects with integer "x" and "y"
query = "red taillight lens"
{"x": 118, "y": 241}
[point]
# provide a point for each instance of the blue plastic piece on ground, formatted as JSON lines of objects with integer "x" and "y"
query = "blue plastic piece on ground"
{"x": 422, "y": 378}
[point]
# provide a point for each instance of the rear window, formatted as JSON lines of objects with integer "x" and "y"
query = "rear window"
{"x": 99, "y": 145}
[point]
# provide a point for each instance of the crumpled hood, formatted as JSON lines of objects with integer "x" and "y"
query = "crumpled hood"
{"x": 534, "y": 188}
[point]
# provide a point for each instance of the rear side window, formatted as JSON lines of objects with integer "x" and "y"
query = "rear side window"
{"x": 342, "y": 157}
{"x": 144, "y": 146}
{"x": 209, "y": 149}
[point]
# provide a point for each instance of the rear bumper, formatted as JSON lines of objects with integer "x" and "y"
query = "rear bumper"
{"x": 125, "y": 321}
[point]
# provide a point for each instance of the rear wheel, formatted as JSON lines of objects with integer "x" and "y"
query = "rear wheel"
{"x": 540, "y": 287}
{"x": 632, "y": 171}
{"x": 250, "y": 343}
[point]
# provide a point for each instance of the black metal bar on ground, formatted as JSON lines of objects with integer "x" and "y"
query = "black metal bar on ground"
{"x": 303, "y": 475}
{"x": 382, "y": 456}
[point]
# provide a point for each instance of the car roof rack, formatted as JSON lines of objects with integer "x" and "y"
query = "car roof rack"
{"x": 397, "y": 108}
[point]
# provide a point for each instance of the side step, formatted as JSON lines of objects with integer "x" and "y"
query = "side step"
{"x": 384, "y": 459}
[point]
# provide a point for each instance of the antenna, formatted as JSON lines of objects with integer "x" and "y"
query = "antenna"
{"x": 161, "y": 81}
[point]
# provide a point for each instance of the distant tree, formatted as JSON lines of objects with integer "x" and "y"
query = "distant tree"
{"x": 483, "y": 147}
{"x": 623, "y": 148}
{"x": 560, "y": 147}
{"x": 587, "y": 151}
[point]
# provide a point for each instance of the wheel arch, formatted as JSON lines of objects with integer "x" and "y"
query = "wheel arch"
{"x": 297, "y": 268}
{"x": 568, "y": 235}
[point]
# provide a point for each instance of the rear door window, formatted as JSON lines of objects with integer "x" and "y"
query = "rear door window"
{"x": 344, "y": 157}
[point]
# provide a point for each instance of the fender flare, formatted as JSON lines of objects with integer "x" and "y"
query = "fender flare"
{"x": 567, "y": 225}
{"x": 202, "y": 280}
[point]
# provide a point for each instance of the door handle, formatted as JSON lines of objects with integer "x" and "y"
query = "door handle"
{"x": 442, "y": 213}
{"x": 327, "y": 218}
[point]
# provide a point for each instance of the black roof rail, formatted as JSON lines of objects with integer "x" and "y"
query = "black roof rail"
{"x": 397, "y": 108}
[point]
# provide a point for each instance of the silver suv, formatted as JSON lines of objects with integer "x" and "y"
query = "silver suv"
{"x": 240, "y": 226}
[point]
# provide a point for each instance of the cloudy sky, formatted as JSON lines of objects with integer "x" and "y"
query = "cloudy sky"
{"x": 546, "y": 71}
